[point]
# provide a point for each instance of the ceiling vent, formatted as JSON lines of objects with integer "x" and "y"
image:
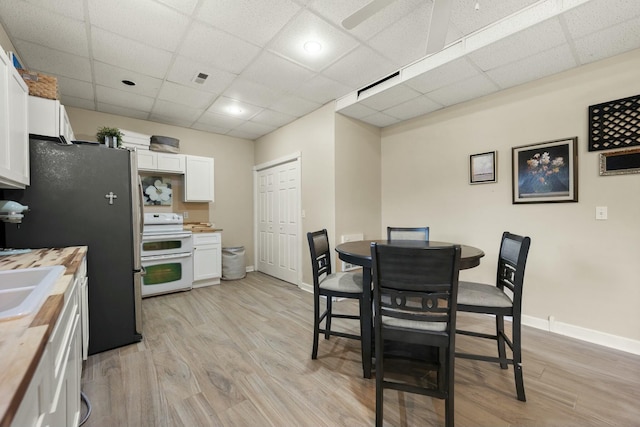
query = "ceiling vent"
{"x": 200, "y": 78}
{"x": 379, "y": 82}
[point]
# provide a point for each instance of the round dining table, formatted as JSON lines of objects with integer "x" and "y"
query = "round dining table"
{"x": 359, "y": 253}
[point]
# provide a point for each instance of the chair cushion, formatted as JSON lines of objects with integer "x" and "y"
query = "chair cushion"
{"x": 480, "y": 294}
{"x": 343, "y": 282}
{"x": 414, "y": 324}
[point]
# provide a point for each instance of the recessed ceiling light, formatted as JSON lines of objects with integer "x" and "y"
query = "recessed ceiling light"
{"x": 234, "y": 109}
{"x": 312, "y": 46}
{"x": 128, "y": 82}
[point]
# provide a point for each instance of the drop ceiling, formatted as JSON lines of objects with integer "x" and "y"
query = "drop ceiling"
{"x": 252, "y": 51}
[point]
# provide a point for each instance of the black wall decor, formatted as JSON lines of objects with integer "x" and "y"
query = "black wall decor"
{"x": 614, "y": 124}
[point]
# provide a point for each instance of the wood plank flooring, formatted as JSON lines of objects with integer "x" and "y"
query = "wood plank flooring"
{"x": 238, "y": 354}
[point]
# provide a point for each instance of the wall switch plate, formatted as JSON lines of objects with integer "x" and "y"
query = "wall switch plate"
{"x": 601, "y": 212}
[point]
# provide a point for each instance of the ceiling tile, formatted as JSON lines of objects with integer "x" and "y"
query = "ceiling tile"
{"x": 253, "y": 93}
{"x": 309, "y": 27}
{"x": 255, "y": 128}
{"x": 122, "y": 111}
{"x": 176, "y": 111}
{"x": 120, "y": 98}
{"x": 35, "y": 24}
{"x": 245, "y": 135}
{"x": 75, "y": 88}
{"x": 413, "y": 108}
{"x": 184, "y": 70}
{"x": 71, "y": 8}
{"x": 53, "y": 62}
{"x": 276, "y": 72}
{"x": 111, "y": 76}
{"x": 209, "y": 128}
{"x": 185, "y": 6}
{"x": 357, "y": 111}
{"x": 145, "y": 21}
{"x": 72, "y": 101}
{"x": 360, "y": 67}
{"x": 219, "y": 120}
{"x": 274, "y": 118}
{"x": 390, "y": 97}
{"x": 230, "y": 53}
{"x": 380, "y": 119}
{"x": 611, "y": 41}
{"x": 475, "y": 87}
{"x": 170, "y": 120}
{"x": 531, "y": 41}
{"x": 597, "y": 15}
{"x": 251, "y": 20}
{"x": 466, "y": 19}
{"x": 186, "y": 96}
{"x": 321, "y": 89}
{"x": 295, "y": 106}
{"x": 129, "y": 54}
{"x": 223, "y": 104}
{"x": 407, "y": 41}
{"x": 534, "y": 67}
{"x": 454, "y": 71}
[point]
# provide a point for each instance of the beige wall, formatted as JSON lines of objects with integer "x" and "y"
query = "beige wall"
{"x": 232, "y": 209}
{"x": 314, "y": 137}
{"x": 585, "y": 273}
{"x": 358, "y": 178}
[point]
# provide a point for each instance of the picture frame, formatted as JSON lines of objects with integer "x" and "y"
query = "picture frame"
{"x": 483, "y": 168}
{"x": 545, "y": 172}
{"x": 620, "y": 162}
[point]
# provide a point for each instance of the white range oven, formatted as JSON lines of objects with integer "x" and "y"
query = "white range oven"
{"x": 167, "y": 254}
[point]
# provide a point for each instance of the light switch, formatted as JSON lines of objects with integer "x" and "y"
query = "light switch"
{"x": 303, "y": 214}
{"x": 601, "y": 212}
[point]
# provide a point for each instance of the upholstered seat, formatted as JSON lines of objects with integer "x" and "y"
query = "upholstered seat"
{"x": 472, "y": 293}
{"x": 342, "y": 282}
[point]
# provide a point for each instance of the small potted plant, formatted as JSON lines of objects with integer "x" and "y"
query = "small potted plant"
{"x": 112, "y": 137}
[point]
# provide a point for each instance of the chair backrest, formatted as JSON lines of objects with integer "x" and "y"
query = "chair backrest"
{"x": 320, "y": 254}
{"x": 512, "y": 261}
{"x": 418, "y": 288}
{"x": 408, "y": 233}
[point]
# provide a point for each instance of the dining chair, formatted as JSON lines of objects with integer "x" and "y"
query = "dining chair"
{"x": 333, "y": 285}
{"x": 415, "y": 292}
{"x": 500, "y": 300}
{"x": 408, "y": 233}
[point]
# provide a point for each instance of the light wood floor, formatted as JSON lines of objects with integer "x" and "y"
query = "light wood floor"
{"x": 238, "y": 354}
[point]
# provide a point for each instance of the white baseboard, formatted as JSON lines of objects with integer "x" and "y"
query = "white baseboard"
{"x": 249, "y": 268}
{"x": 306, "y": 287}
{"x": 584, "y": 334}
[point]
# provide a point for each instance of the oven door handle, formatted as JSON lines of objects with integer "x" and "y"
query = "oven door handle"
{"x": 163, "y": 257}
{"x": 150, "y": 238}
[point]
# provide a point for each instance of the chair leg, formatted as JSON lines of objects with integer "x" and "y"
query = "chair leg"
{"x": 379, "y": 383}
{"x": 449, "y": 384}
{"x": 502, "y": 354}
{"x": 517, "y": 359}
{"x": 327, "y": 321}
{"x": 316, "y": 326}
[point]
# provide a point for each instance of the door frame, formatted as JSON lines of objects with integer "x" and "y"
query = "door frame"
{"x": 293, "y": 157}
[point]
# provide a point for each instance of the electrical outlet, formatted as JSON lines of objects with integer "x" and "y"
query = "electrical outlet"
{"x": 185, "y": 214}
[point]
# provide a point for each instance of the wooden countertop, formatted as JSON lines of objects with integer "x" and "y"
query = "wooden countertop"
{"x": 22, "y": 340}
{"x": 201, "y": 227}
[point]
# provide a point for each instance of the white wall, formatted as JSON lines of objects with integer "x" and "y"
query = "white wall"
{"x": 585, "y": 273}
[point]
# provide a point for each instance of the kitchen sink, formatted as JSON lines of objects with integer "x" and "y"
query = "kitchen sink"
{"x": 23, "y": 291}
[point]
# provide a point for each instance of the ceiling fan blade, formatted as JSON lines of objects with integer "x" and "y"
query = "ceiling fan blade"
{"x": 361, "y": 15}
{"x": 439, "y": 25}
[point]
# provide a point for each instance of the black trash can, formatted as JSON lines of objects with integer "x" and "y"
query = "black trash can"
{"x": 233, "y": 263}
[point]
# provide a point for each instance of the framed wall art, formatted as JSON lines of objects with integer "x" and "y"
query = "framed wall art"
{"x": 546, "y": 172}
{"x": 156, "y": 191}
{"x": 620, "y": 162}
{"x": 482, "y": 168}
{"x": 614, "y": 124}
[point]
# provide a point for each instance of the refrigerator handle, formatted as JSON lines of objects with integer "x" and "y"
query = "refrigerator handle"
{"x": 137, "y": 209}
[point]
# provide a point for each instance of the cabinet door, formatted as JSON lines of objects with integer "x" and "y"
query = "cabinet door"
{"x": 5, "y": 170}
{"x": 168, "y": 162}
{"x": 66, "y": 131}
{"x": 147, "y": 160}
{"x": 198, "y": 179}
{"x": 44, "y": 116}
{"x": 205, "y": 265}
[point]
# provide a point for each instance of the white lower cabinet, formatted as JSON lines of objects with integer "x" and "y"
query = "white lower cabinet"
{"x": 207, "y": 259}
{"x": 53, "y": 396}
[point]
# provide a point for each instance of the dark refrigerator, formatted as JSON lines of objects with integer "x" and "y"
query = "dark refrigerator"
{"x": 89, "y": 195}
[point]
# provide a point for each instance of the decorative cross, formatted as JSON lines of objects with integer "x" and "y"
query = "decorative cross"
{"x": 110, "y": 196}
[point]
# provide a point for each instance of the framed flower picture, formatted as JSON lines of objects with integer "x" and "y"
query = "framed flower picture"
{"x": 156, "y": 191}
{"x": 546, "y": 172}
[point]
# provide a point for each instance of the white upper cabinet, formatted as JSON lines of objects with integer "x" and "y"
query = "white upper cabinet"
{"x": 14, "y": 131}
{"x": 47, "y": 117}
{"x": 157, "y": 161}
{"x": 198, "y": 179}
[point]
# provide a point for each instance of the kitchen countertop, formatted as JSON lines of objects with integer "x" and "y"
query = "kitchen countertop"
{"x": 200, "y": 227}
{"x": 22, "y": 340}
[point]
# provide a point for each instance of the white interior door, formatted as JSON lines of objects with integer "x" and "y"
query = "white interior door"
{"x": 278, "y": 217}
